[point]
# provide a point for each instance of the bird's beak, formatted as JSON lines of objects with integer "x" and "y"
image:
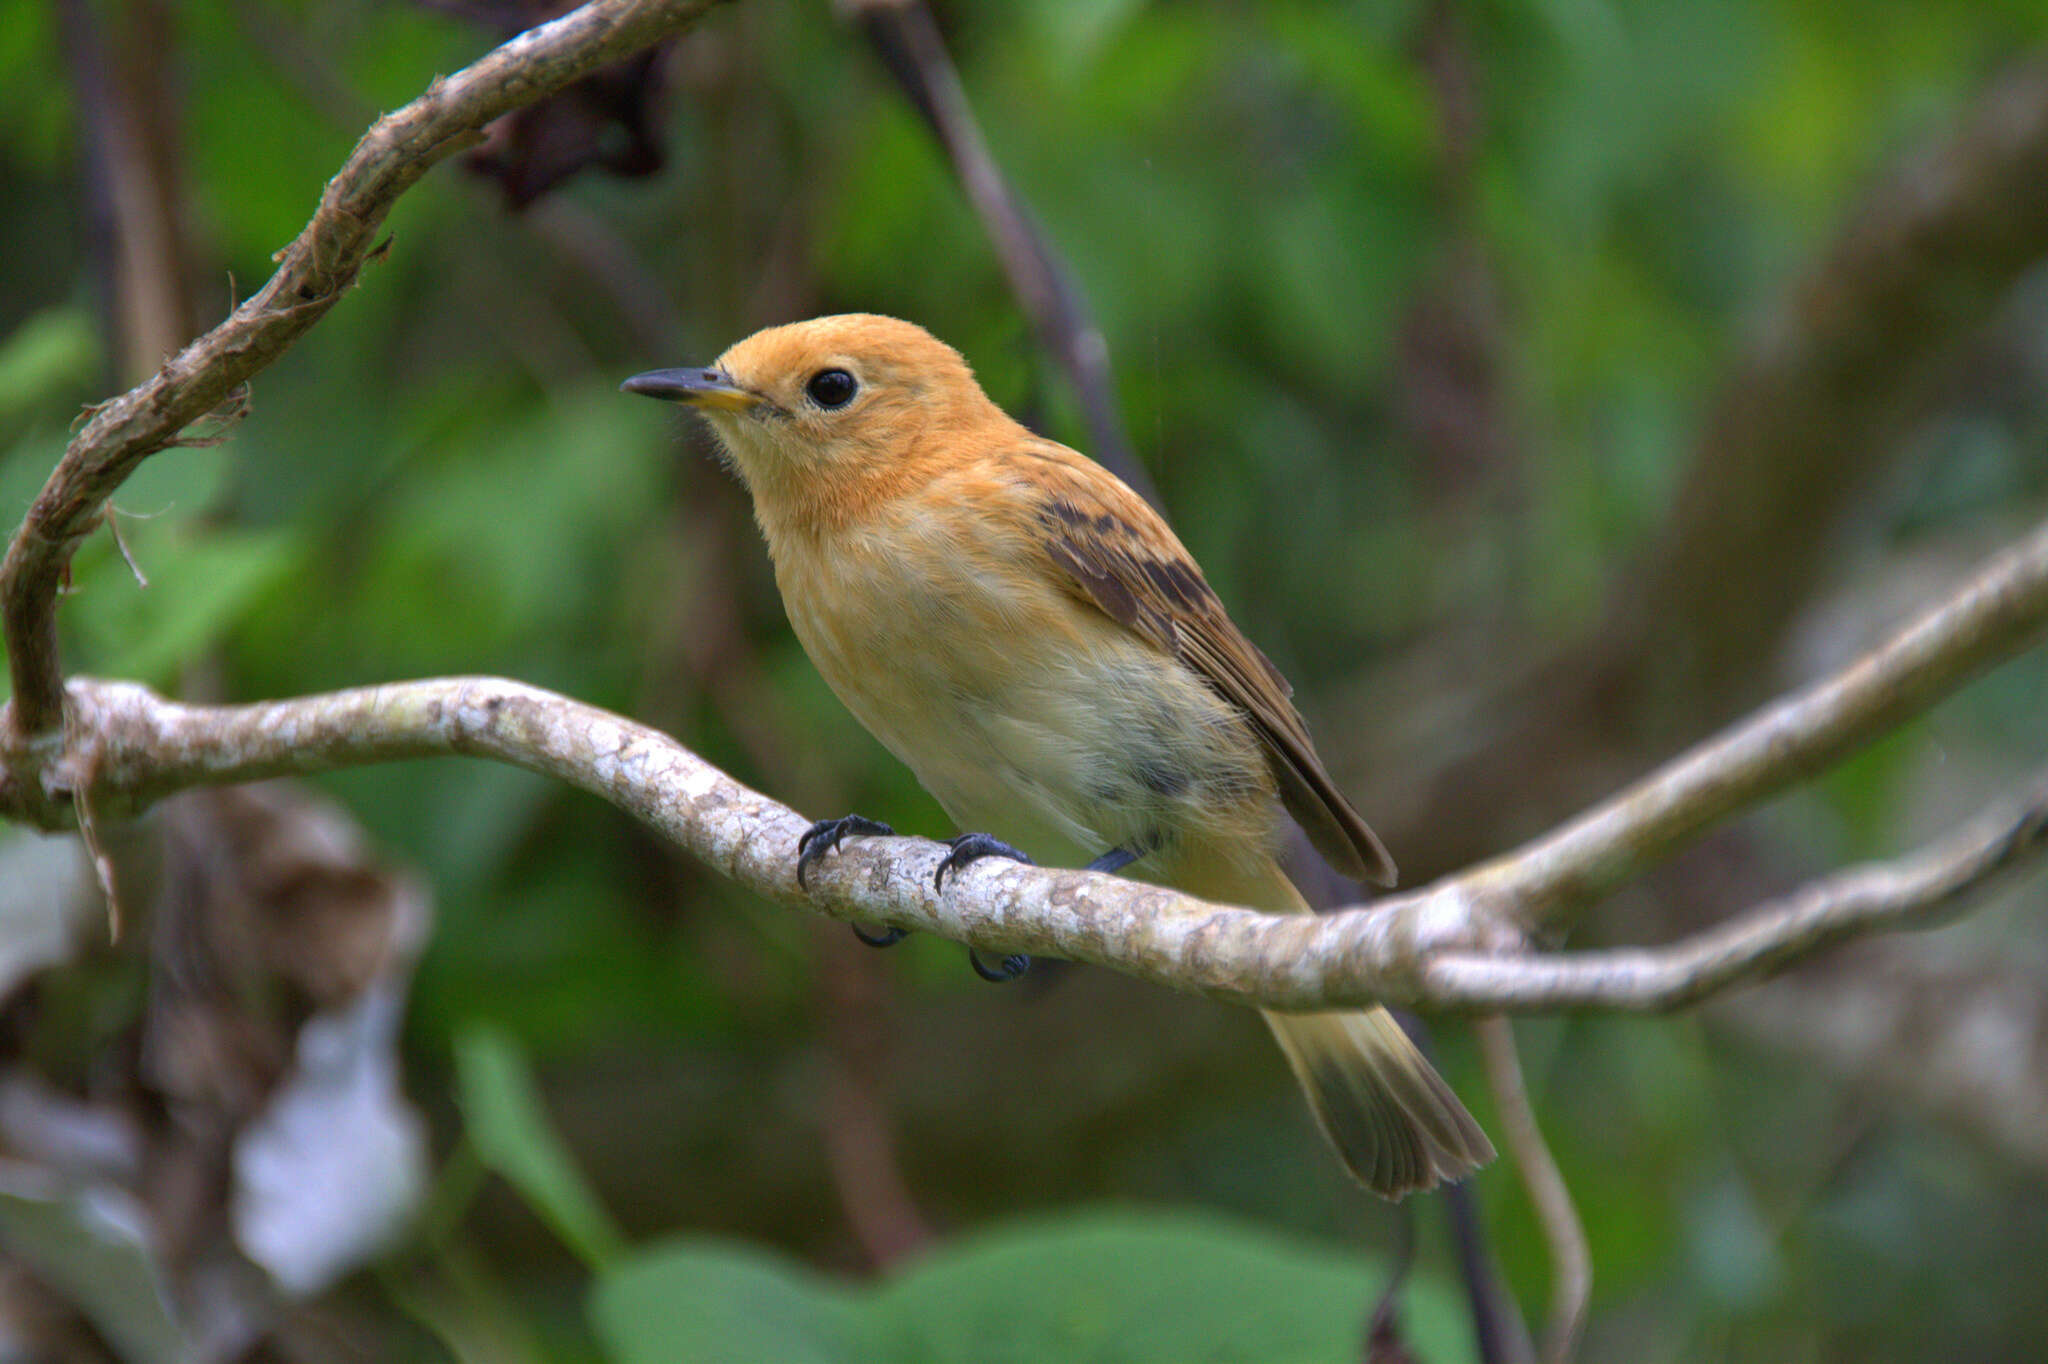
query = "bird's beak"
{"x": 707, "y": 388}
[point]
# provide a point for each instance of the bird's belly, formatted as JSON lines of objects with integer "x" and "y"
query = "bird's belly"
{"x": 1066, "y": 744}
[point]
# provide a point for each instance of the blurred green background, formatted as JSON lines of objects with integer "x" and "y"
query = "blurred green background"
{"x": 1418, "y": 312}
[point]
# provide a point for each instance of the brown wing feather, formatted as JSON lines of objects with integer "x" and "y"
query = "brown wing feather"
{"x": 1123, "y": 558}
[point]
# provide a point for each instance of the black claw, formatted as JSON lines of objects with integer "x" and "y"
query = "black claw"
{"x": 1116, "y": 859}
{"x": 1011, "y": 967}
{"x": 824, "y": 836}
{"x": 971, "y": 848}
{"x": 888, "y": 937}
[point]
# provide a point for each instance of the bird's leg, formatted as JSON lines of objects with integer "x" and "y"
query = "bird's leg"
{"x": 970, "y": 848}
{"x": 1116, "y": 859}
{"x": 826, "y": 835}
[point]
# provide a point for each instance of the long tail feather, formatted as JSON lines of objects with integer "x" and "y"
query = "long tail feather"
{"x": 1396, "y": 1125}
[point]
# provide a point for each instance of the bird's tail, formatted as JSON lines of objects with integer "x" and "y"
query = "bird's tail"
{"x": 1395, "y": 1123}
{"x": 1391, "y": 1117}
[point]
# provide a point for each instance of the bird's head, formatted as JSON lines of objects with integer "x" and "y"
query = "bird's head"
{"x": 829, "y": 412}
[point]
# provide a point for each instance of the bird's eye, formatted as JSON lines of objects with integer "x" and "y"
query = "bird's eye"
{"x": 831, "y": 388}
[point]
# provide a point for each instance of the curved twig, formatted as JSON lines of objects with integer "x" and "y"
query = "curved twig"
{"x": 907, "y": 39}
{"x": 1571, "y": 1262}
{"x": 1875, "y": 898}
{"x": 313, "y": 272}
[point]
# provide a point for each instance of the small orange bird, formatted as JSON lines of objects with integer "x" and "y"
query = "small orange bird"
{"x": 1019, "y": 627}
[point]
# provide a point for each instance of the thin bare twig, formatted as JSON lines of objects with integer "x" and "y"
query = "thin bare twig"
{"x": 313, "y": 273}
{"x": 1499, "y": 1335}
{"x": 113, "y": 516}
{"x": 102, "y": 865}
{"x": 1879, "y": 897}
{"x": 907, "y": 39}
{"x": 1571, "y": 1263}
{"x": 854, "y": 1119}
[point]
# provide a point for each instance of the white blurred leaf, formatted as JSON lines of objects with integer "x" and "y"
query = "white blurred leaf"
{"x": 42, "y": 880}
{"x": 90, "y": 1241}
{"x": 334, "y": 1166}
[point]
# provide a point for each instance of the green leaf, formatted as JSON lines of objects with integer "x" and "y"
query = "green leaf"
{"x": 1074, "y": 32}
{"x": 1140, "y": 1287}
{"x": 1868, "y": 789}
{"x": 201, "y": 583}
{"x": 1119, "y": 1285}
{"x": 50, "y": 352}
{"x": 505, "y": 1121}
{"x": 710, "y": 1302}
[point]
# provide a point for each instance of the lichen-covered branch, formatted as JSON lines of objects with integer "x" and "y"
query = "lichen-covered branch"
{"x": 131, "y": 746}
{"x": 312, "y": 274}
{"x": 1877, "y": 897}
{"x": 1446, "y": 946}
{"x": 115, "y": 747}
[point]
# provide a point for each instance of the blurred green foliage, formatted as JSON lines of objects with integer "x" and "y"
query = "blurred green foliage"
{"x": 503, "y": 1119}
{"x": 1255, "y": 200}
{"x": 1127, "y": 1285}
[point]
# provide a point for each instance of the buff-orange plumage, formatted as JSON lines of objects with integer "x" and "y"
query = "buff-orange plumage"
{"x": 1027, "y": 634}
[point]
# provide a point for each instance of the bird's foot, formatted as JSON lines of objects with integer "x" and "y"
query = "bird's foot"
{"x": 826, "y": 835}
{"x": 971, "y": 848}
{"x": 888, "y": 937}
{"x": 968, "y": 849}
{"x": 1003, "y": 972}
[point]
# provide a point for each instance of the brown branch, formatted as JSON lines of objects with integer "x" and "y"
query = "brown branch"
{"x": 313, "y": 273}
{"x": 907, "y": 39}
{"x": 1999, "y": 613}
{"x": 118, "y": 59}
{"x": 1804, "y": 416}
{"x": 854, "y": 1119}
{"x": 1815, "y": 405}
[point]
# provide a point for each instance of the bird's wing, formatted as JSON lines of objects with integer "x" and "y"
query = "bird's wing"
{"x": 1121, "y": 556}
